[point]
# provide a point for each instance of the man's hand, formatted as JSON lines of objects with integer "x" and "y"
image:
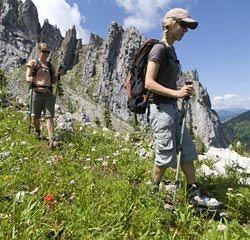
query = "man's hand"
{"x": 30, "y": 79}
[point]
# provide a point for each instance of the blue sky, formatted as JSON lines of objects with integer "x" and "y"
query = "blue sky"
{"x": 219, "y": 49}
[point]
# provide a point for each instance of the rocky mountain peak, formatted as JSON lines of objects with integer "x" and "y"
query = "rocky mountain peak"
{"x": 28, "y": 19}
{"x": 68, "y": 49}
{"x": 50, "y": 35}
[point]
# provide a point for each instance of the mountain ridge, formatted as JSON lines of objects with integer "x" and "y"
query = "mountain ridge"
{"x": 97, "y": 72}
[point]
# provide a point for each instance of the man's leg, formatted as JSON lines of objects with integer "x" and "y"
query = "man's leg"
{"x": 36, "y": 123}
{"x": 50, "y": 127}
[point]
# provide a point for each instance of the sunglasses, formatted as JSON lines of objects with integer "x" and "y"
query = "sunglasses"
{"x": 45, "y": 51}
{"x": 182, "y": 23}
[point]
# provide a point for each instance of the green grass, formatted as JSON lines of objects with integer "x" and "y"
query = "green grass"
{"x": 100, "y": 188}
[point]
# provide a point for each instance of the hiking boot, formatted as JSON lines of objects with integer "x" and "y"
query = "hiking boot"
{"x": 198, "y": 199}
{"x": 170, "y": 186}
{"x": 155, "y": 187}
{"x": 53, "y": 142}
{"x": 37, "y": 134}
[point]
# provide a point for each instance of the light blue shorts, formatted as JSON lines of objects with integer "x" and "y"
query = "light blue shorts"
{"x": 165, "y": 120}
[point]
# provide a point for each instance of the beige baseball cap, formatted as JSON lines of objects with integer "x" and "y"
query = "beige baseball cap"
{"x": 183, "y": 15}
{"x": 42, "y": 47}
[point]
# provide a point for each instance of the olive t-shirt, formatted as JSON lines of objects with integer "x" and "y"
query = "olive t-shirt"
{"x": 168, "y": 70}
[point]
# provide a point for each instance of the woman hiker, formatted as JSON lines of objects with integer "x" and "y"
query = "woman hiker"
{"x": 161, "y": 79}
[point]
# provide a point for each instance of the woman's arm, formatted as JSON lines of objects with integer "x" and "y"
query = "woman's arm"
{"x": 153, "y": 86}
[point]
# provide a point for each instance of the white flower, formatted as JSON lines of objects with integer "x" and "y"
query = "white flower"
{"x": 221, "y": 227}
{"x": 239, "y": 195}
{"x": 23, "y": 143}
{"x": 105, "y": 129}
{"x": 116, "y": 153}
{"x": 20, "y": 196}
{"x": 72, "y": 182}
{"x": 34, "y": 191}
{"x": 104, "y": 164}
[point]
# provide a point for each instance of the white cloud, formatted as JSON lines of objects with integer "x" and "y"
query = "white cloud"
{"x": 145, "y": 14}
{"x": 230, "y": 101}
{"x": 60, "y": 13}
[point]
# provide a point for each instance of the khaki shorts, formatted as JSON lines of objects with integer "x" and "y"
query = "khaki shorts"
{"x": 43, "y": 102}
{"x": 165, "y": 120}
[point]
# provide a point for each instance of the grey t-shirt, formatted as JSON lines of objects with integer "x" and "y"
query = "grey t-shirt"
{"x": 168, "y": 70}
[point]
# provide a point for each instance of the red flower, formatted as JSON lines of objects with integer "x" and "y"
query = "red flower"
{"x": 48, "y": 198}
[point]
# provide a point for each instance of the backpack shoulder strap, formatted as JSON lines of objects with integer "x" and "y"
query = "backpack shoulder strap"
{"x": 36, "y": 68}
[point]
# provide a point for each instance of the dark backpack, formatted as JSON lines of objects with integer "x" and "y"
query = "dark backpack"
{"x": 138, "y": 96}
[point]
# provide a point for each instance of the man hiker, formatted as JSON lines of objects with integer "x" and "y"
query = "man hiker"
{"x": 42, "y": 76}
{"x": 161, "y": 79}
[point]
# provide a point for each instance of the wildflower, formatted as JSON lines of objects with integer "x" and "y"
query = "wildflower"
{"x": 117, "y": 134}
{"x": 221, "y": 227}
{"x": 20, "y": 196}
{"x": 116, "y": 153}
{"x": 71, "y": 145}
{"x": 57, "y": 158}
{"x": 229, "y": 189}
{"x": 72, "y": 182}
{"x": 23, "y": 143}
{"x": 4, "y": 216}
{"x": 105, "y": 129}
{"x": 239, "y": 195}
{"x": 104, "y": 164}
{"x": 34, "y": 191}
{"x": 48, "y": 198}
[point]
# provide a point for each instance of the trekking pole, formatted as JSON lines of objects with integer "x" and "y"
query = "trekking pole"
{"x": 30, "y": 106}
{"x": 61, "y": 67}
{"x": 184, "y": 107}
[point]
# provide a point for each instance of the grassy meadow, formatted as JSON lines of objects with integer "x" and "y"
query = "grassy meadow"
{"x": 96, "y": 186}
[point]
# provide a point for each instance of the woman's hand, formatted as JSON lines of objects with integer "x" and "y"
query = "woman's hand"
{"x": 185, "y": 91}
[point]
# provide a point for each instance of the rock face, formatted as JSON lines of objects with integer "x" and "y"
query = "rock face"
{"x": 97, "y": 70}
{"x": 50, "y": 35}
{"x": 17, "y": 38}
{"x": 69, "y": 49}
{"x": 28, "y": 19}
{"x": 203, "y": 121}
{"x": 223, "y": 158}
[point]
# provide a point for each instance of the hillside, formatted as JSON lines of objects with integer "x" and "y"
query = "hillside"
{"x": 227, "y": 114}
{"x": 238, "y": 129}
{"x": 96, "y": 186}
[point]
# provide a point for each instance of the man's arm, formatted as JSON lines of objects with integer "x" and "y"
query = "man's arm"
{"x": 153, "y": 86}
{"x": 29, "y": 73}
